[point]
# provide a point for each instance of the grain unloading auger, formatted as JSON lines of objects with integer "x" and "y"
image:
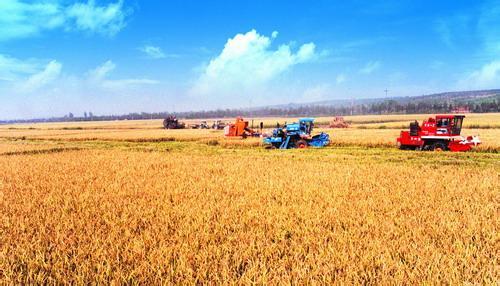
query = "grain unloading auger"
{"x": 437, "y": 134}
{"x": 297, "y": 135}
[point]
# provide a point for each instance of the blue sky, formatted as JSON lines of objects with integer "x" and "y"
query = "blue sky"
{"x": 113, "y": 57}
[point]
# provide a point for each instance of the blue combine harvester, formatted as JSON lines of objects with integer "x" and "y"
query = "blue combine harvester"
{"x": 297, "y": 135}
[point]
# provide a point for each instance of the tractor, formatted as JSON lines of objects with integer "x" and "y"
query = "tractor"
{"x": 296, "y": 135}
{"x": 441, "y": 133}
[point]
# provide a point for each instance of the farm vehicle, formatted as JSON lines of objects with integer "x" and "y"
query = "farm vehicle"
{"x": 441, "y": 133}
{"x": 338, "y": 122}
{"x": 171, "y": 122}
{"x": 217, "y": 125}
{"x": 240, "y": 129}
{"x": 297, "y": 135}
{"x": 201, "y": 125}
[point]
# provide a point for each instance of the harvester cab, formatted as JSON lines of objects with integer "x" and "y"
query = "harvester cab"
{"x": 440, "y": 133}
{"x": 297, "y": 135}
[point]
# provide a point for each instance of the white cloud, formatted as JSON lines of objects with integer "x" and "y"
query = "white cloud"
{"x": 153, "y": 52}
{"x": 370, "y": 67}
{"x": 20, "y": 19}
{"x": 443, "y": 29}
{"x": 455, "y": 29}
{"x": 12, "y": 68}
{"x": 43, "y": 78}
{"x": 317, "y": 93}
{"x": 99, "y": 77}
{"x": 107, "y": 20}
{"x": 99, "y": 73}
{"x": 18, "y": 76}
{"x": 486, "y": 77}
{"x": 127, "y": 83}
{"x": 247, "y": 62}
{"x": 341, "y": 78}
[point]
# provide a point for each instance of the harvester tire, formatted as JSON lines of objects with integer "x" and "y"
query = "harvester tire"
{"x": 439, "y": 146}
{"x": 301, "y": 144}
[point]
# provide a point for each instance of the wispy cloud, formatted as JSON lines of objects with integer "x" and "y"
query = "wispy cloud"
{"x": 488, "y": 76}
{"x": 49, "y": 74}
{"x": 106, "y": 20}
{"x": 153, "y": 52}
{"x": 488, "y": 23}
{"x": 454, "y": 29}
{"x": 248, "y": 61}
{"x": 317, "y": 93}
{"x": 370, "y": 67}
{"x": 12, "y": 68}
{"x": 341, "y": 78}
{"x": 29, "y": 76}
{"x": 99, "y": 77}
{"x": 21, "y": 19}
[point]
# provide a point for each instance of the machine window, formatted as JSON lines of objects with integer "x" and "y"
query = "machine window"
{"x": 443, "y": 122}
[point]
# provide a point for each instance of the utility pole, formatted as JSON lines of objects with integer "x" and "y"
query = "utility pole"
{"x": 386, "y": 91}
{"x": 250, "y": 110}
{"x": 352, "y": 105}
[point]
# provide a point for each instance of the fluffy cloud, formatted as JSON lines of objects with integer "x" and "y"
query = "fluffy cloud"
{"x": 370, "y": 67}
{"x": 486, "y": 77}
{"x": 153, "y": 52}
{"x": 20, "y": 19}
{"x": 50, "y": 73}
{"x": 248, "y": 61}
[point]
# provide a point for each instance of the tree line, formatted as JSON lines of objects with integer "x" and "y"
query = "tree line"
{"x": 383, "y": 107}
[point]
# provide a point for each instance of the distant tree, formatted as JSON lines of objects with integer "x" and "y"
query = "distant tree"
{"x": 85, "y": 114}
{"x": 70, "y": 115}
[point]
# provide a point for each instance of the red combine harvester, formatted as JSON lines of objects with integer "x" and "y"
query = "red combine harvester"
{"x": 239, "y": 128}
{"x": 437, "y": 134}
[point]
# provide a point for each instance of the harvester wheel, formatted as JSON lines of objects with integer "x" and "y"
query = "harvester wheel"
{"x": 439, "y": 146}
{"x": 301, "y": 144}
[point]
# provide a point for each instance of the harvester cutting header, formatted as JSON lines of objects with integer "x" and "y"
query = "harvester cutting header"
{"x": 437, "y": 134}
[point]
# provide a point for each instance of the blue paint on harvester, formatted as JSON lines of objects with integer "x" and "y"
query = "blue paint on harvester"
{"x": 297, "y": 135}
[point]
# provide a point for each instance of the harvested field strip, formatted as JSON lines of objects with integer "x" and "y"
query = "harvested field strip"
{"x": 40, "y": 151}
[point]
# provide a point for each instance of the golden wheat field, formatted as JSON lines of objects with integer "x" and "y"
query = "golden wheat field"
{"x": 130, "y": 203}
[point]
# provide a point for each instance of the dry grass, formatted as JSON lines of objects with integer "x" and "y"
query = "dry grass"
{"x": 201, "y": 209}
